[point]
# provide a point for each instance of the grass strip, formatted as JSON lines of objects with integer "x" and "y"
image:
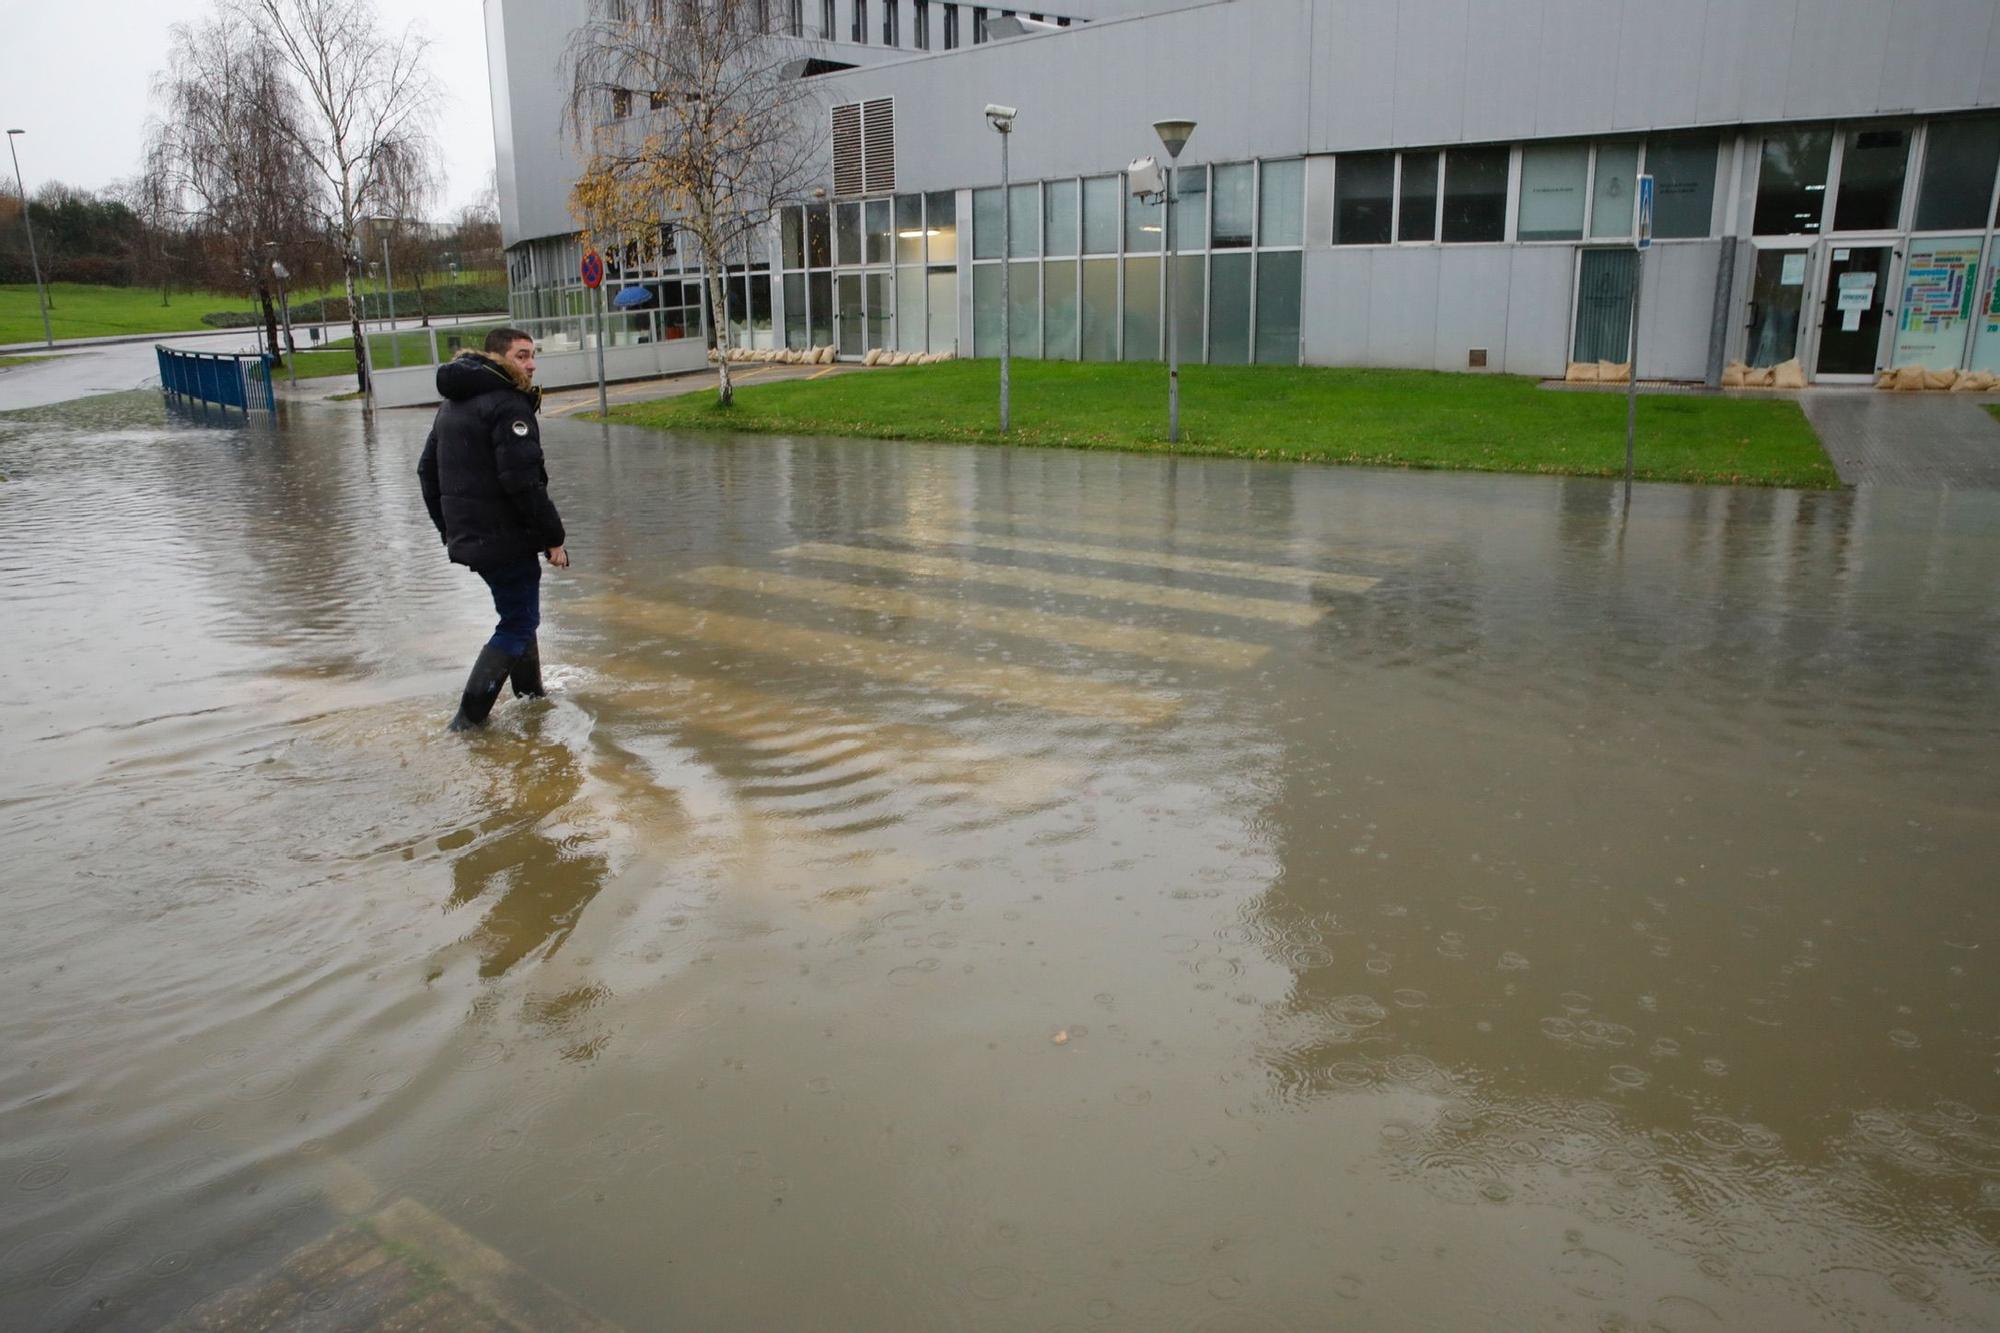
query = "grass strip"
{"x": 1390, "y": 418}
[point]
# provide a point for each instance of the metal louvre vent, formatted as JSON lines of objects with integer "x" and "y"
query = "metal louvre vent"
{"x": 878, "y": 123}
{"x": 847, "y": 173}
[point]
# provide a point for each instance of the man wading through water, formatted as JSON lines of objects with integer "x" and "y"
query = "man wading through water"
{"x": 488, "y": 493}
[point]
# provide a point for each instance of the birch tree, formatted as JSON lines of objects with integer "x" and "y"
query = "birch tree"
{"x": 690, "y": 112}
{"x": 369, "y": 103}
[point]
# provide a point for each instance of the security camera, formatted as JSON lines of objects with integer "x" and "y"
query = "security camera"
{"x": 1144, "y": 177}
{"x": 1000, "y": 118}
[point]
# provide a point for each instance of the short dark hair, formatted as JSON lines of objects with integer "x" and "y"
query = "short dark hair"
{"x": 501, "y": 341}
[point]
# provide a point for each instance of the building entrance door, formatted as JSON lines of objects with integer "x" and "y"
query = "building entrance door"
{"x": 1777, "y": 305}
{"x": 1854, "y": 297}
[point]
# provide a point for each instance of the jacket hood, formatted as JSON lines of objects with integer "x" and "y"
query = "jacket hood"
{"x": 472, "y": 373}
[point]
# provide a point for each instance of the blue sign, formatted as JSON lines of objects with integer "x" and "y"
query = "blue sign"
{"x": 592, "y": 268}
{"x": 1645, "y": 212}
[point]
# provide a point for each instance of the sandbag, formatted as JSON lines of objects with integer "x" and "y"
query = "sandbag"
{"x": 1758, "y": 377}
{"x": 1887, "y": 379}
{"x": 1940, "y": 379}
{"x": 1581, "y": 372}
{"x": 1732, "y": 375}
{"x": 1909, "y": 379}
{"x": 1973, "y": 381}
{"x": 1613, "y": 372}
{"x": 1788, "y": 375}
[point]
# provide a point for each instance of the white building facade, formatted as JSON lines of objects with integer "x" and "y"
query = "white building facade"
{"x": 1437, "y": 184}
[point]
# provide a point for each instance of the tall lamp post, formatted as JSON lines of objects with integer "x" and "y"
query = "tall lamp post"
{"x": 389, "y": 281}
{"x": 1001, "y": 118}
{"x": 41, "y": 294}
{"x": 1174, "y": 135}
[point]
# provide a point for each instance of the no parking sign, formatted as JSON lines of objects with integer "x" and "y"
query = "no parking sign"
{"x": 592, "y": 268}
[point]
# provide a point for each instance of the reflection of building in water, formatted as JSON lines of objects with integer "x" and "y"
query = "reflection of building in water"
{"x": 1642, "y": 882}
{"x": 1371, "y": 182}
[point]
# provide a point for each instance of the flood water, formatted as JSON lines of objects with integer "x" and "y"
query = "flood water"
{"x": 963, "y": 888}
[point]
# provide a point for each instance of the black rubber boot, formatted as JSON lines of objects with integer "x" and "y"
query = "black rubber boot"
{"x": 527, "y": 673}
{"x": 482, "y": 687}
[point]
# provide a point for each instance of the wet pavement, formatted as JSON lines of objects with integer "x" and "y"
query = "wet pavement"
{"x": 966, "y": 888}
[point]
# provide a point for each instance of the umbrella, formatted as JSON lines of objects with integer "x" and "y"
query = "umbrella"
{"x": 628, "y": 297}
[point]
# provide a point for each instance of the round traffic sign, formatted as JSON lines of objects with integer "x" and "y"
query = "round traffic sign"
{"x": 592, "y": 268}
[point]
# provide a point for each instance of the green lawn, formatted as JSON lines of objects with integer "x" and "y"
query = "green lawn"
{"x": 1394, "y": 418}
{"x": 25, "y": 360}
{"x": 414, "y": 345}
{"x": 83, "y": 311}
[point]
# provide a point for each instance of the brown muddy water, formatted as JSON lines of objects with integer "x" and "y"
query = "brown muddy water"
{"x": 962, "y": 888}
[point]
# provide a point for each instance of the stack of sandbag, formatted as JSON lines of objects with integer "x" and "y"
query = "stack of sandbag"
{"x": 1976, "y": 381}
{"x": 1916, "y": 379}
{"x": 1597, "y": 372}
{"x": 1784, "y": 375}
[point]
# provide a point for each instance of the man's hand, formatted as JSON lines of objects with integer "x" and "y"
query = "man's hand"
{"x": 559, "y": 556}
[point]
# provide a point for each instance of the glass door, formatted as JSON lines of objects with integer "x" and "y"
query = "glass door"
{"x": 1853, "y": 299}
{"x": 1777, "y": 304}
{"x": 1986, "y": 324}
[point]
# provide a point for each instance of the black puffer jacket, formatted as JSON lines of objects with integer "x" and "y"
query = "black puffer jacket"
{"x": 482, "y": 471}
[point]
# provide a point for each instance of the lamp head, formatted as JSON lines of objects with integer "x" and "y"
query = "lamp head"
{"x": 1000, "y": 118}
{"x": 1174, "y": 135}
{"x": 13, "y": 132}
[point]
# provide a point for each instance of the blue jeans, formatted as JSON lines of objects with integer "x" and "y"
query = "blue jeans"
{"x": 517, "y": 597}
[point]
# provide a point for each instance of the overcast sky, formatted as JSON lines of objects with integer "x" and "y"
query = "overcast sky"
{"x": 75, "y": 75}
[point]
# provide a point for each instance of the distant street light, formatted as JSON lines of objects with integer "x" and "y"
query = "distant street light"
{"x": 1001, "y": 118}
{"x": 41, "y": 293}
{"x": 389, "y": 281}
{"x": 1174, "y": 135}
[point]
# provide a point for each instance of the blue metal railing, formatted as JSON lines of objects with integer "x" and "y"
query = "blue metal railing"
{"x": 230, "y": 379}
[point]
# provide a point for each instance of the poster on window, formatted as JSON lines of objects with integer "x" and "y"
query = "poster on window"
{"x": 1938, "y": 298}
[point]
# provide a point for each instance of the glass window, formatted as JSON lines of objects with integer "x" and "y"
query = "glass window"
{"x": 1611, "y": 197}
{"x": 942, "y": 301}
{"x": 891, "y": 10}
{"x": 941, "y": 217}
{"x": 847, "y": 234}
{"x": 909, "y": 229}
{"x": 760, "y": 310}
{"x": 880, "y": 231}
{"x": 1281, "y": 202}
{"x": 1475, "y": 199}
{"x": 1604, "y": 305}
{"x": 1957, "y": 184}
{"x": 851, "y": 326}
{"x": 950, "y": 44}
{"x": 1059, "y": 310}
{"x": 1100, "y": 215}
{"x": 1417, "y": 206}
{"x": 1100, "y": 309}
{"x": 978, "y": 25}
{"x": 1683, "y": 170}
{"x": 1791, "y": 183}
{"x": 1191, "y": 208}
{"x": 1025, "y": 303}
{"x": 829, "y": 24}
{"x": 1024, "y": 209}
{"x": 1234, "y": 209}
{"x": 1229, "y": 310}
{"x": 1872, "y": 164}
{"x": 859, "y": 31}
{"x": 909, "y": 310}
{"x": 986, "y": 310}
{"x": 1552, "y": 181}
{"x": 986, "y": 224}
{"x": 1142, "y": 309}
{"x": 879, "y": 309}
{"x": 1187, "y": 306}
{"x": 1142, "y": 225}
{"x": 819, "y": 248}
{"x": 1278, "y": 282}
{"x": 791, "y": 225}
{"x": 795, "y": 310}
{"x": 921, "y": 24}
{"x": 1059, "y": 218}
{"x": 1363, "y": 198}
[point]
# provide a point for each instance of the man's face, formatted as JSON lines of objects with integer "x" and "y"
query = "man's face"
{"x": 522, "y": 354}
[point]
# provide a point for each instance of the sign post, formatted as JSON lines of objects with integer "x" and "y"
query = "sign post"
{"x": 1642, "y": 241}
{"x": 592, "y": 270}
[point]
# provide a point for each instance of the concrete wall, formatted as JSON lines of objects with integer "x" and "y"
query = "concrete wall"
{"x": 416, "y": 386}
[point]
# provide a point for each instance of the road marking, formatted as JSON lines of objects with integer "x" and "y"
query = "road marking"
{"x": 1304, "y": 544}
{"x": 948, "y": 672}
{"x": 1196, "y": 649}
{"x": 1298, "y": 614}
{"x": 1125, "y": 555}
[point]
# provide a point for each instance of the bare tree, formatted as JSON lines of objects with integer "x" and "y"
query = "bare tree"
{"x": 369, "y": 104}
{"x": 222, "y": 158}
{"x": 689, "y": 110}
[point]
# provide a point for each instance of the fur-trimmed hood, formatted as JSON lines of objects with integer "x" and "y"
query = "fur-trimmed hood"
{"x": 472, "y": 373}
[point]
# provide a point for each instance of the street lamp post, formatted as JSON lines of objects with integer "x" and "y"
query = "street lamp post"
{"x": 41, "y": 293}
{"x": 1174, "y": 135}
{"x": 1001, "y": 118}
{"x": 281, "y": 273}
{"x": 389, "y": 280}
